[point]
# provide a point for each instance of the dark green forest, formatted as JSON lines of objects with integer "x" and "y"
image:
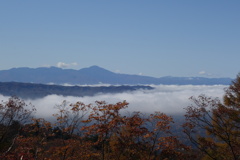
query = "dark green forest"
{"x": 99, "y": 131}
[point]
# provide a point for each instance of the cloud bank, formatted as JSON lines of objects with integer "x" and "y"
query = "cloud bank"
{"x": 170, "y": 99}
{"x": 66, "y": 65}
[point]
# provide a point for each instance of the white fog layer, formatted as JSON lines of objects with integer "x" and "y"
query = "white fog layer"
{"x": 170, "y": 99}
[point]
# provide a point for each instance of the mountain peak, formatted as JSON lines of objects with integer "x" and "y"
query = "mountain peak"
{"x": 95, "y": 69}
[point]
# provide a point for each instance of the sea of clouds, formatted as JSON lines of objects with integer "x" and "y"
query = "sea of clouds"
{"x": 169, "y": 99}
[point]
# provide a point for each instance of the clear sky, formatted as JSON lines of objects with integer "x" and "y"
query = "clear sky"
{"x": 155, "y": 38}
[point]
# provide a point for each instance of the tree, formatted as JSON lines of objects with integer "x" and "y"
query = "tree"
{"x": 13, "y": 115}
{"x": 41, "y": 139}
{"x": 129, "y": 141}
{"x": 214, "y": 126}
{"x": 70, "y": 117}
{"x": 105, "y": 121}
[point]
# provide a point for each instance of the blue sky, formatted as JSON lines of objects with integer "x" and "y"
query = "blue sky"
{"x": 155, "y": 38}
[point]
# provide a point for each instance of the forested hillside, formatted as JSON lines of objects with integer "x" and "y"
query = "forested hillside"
{"x": 32, "y": 91}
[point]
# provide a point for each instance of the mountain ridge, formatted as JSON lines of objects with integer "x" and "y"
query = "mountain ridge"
{"x": 97, "y": 75}
{"x": 34, "y": 90}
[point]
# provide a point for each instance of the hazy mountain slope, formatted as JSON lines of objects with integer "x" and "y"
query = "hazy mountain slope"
{"x": 96, "y": 75}
{"x": 30, "y": 90}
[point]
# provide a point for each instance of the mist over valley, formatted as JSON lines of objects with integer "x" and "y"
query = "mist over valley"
{"x": 170, "y": 99}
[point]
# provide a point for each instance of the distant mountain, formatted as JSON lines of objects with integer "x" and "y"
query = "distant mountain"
{"x": 32, "y": 91}
{"x": 96, "y": 75}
